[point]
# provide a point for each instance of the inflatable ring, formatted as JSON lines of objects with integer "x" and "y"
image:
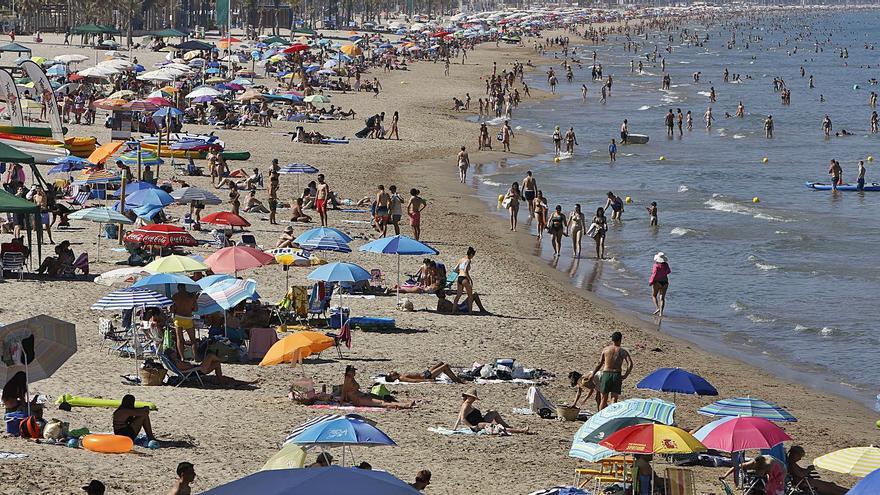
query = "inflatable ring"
{"x": 107, "y": 444}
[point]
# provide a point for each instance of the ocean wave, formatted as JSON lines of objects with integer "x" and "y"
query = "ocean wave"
{"x": 490, "y": 183}
{"x": 684, "y": 62}
{"x": 681, "y": 231}
{"x": 704, "y": 93}
{"x": 495, "y": 121}
{"x": 759, "y": 319}
{"x": 827, "y": 331}
{"x": 683, "y": 188}
{"x": 730, "y": 207}
{"x": 738, "y": 136}
{"x": 761, "y": 264}
{"x": 645, "y": 107}
{"x": 801, "y": 328}
{"x": 738, "y": 306}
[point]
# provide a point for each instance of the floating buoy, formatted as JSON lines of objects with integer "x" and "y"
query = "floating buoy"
{"x": 765, "y": 160}
{"x": 870, "y": 158}
{"x": 629, "y": 200}
{"x": 878, "y": 423}
{"x": 556, "y": 159}
{"x": 756, "y": 200}
{"x": 662, "y": 158}
{"x": 500, "y": 198}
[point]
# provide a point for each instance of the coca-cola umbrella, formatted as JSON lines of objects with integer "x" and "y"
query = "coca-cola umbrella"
{"x": 162, "y": 235}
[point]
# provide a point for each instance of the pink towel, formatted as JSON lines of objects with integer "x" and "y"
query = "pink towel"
{"x": 261, "y": 341}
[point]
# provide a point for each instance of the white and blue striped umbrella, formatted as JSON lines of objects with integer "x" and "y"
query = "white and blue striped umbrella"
{"x": 747, "y": 406}
{"x": 100, "y": 214}
{"x": 297, "y": 168}
{"x": 326, "y": 243}
{"x": 190, "y": 194}
{"x": 225, "y": 295}
{"x": 653, "y": 409}
{"x": 322, "y": 232}
{"x": 167, "y": 283}
{"x": 130, "y": 298}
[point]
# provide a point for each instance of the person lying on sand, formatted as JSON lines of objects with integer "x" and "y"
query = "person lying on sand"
{"x": 472, "y": 418}
{"x": 351, "y": 394}
{"x": 429, "y": 375}
{"x": 446, "y": 307}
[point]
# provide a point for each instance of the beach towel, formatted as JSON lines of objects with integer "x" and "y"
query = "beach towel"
{"x": 12, "y": 455}
{"x": 347, "y": 408}
{"x": 449, "y": 431}
{"x": 485, "y": 381}
{"x": 440, "y": 379}
{"x": 537, "y": 401}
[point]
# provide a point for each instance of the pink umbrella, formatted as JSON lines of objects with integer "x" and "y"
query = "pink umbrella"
{"x": 159, "y": 101}
{"x": 237, "y": 258}
{"x": 141, "y": 106}
{"x": 735, "y": 434}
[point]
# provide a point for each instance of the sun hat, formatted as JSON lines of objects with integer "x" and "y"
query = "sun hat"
{"x": 471, "y": 392}
{"x": 660, "y": 258}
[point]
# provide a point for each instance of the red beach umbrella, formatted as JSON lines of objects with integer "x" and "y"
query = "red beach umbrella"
{"x": 296, "y": 47}
{"x": 225, "y": 218}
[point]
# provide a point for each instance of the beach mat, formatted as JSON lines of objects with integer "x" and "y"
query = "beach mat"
{"x": 77, "y": 401}
{"x": 341, "y": 407}
{"x": 442, "y": 379}
{"x": 450, "y": 432}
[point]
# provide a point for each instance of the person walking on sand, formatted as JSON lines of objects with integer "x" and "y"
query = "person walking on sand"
{"x": 611, "y": 362}
{"x": 383, "y": 210}
{"x": 529, "y": 190}
{"x": 464, "y": 282}
{"x": 511, "y": 202}
{"x": 506, "y": 135}
{"x": 659, "y": 282}
{"x": 322, "y": 192}
{"x": 414, "y": 208}
{"x": 464, "y": 162}
{"x": 540, "y": 214}
{"x": 576, "y": 229}
{"x": 556, "y": 226}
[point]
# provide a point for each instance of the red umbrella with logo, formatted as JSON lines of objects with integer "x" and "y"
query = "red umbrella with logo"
{"x": 225, "y": 218}
{"x": 296, "y": 47}
{"x": 162, "y": 235}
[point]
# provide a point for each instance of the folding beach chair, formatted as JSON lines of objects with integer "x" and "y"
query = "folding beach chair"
{"x": 802, "y": 487}
{"x": 110, "y": 335}
{"x": 80, "y": 199}
{"x": 376, "y": 278}
{"x": 14, "y": 262}
{"x": 680, "y": 481}
{"x": 319, "y": 300}
{"x": 184, "y": 376}
{"x": 727, "y": 489}
{"x": 343, "y": 337}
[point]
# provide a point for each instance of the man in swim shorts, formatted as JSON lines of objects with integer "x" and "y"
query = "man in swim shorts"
{"x": 383, "y": 210}
{"x": 530, "y": 188}
{"x": 321, "y": 194}
{"x": 185, "y": 304}
{"x": 611, "y": 365}
{"x": 414, "y": 209}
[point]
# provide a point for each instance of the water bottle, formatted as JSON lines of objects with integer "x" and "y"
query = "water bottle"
{"x": 877, "y": 403}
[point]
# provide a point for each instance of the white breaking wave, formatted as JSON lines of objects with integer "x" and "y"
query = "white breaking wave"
{"x": 489, "y": 182}
{"x": 800, "y": 328}
{"x": 681, "y": 231}
{"x": 760, "y": 319}
{"x": 645, "y": 107}
{"x": 738, "y": 136}
{"x": 730, "y": 207}
{"x": 826, "y": 331}
{"x": 738, "y": 306}
{"x": 683, "y": 188}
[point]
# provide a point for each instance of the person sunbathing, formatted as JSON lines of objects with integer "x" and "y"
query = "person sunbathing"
{"x": 285, "y": 240}
{"x": 254, "y": 205}
{"x": 210, "y": 364}
{"x": 446, "y": 307}
{"x": 129, "y": 420}
{"x": 429, "y": 375}
{"x": 471, "y": 417}
{"x": 803, "y": 477}
{"x": 297, "y": 214}
{"x": 351, "y": 394}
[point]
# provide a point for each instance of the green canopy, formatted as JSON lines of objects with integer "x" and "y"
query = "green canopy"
{"x": 94, "y": 29}
{"x": 15, "y": 47}
{"x": 276, "y": 39}
{"x": 310, "y": 32}
{"x": 168, "y": 33}
{"x": 193, "y": 45}
{"x": 10, "y": 203}
{"x": 11, "y": 155}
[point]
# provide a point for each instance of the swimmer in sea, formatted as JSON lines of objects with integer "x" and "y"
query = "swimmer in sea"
{"x": 652, "y": 213}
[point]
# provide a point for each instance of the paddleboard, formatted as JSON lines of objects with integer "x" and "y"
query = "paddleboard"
{"x": 637, "y": 139}
{"x": 819, "y": 186}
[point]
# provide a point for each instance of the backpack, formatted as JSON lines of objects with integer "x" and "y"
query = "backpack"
{"x": 30, "y": 427}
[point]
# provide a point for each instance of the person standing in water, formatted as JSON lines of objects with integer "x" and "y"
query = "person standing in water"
{"x": 690, "y": 120}
{"x": 740, "y": 110}
{"x": 529, "y": 190}
{"x": 679, "y": 118}
{"x": 597, "y": 230}
{"x": 556, "y": 227}
{"x": 652, "y": 213}
{"x": 624, "y": 131}
{"x": 511, "y": 202}
{"x": 836, "y": 172}
{"x": 826, "y": 125}
{"x": 611, "y": 363}
{"x": 506, "y": 136}
{"x": 768, "y": 127}
{"x": 464, "y": 162}
{"x": 557, "y": 141}
{"x": 659, "y": 282}
{"x": 874, "y": 122}
{"x": 576, "y": 229}
{"x": 612, "y": 151}
{"x": 709, "y": 118}
{"x": 616, "y": 204}
{"x": 670, "y": 123}
{"x": 570, "y": 141}
{"x": 584, "y": 93}
{"x": 860, "y": 181}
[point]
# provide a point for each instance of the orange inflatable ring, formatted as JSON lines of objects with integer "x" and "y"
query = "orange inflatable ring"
{"x": 107, "y": 444}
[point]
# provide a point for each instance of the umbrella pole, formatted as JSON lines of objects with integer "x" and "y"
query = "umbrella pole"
{"x": 98, "y": 243}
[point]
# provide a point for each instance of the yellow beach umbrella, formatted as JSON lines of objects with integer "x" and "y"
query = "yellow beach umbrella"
{"x": 38, "y": 60}
{"x": 215, "y": 80}
{"x": 168, "y": 89}
{"x": 176, "y": 263}
{"x": 652, "y": 439}
{"x": 276, "y": 58}
{"x": 295, "y": 347}
{"x": 856, "y": 461}
{"x": 351, "y": 50}
{"x": 291, "y": 456}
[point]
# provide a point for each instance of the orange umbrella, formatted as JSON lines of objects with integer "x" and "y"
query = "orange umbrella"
{"x": 295, "y": 347}
{"x": 110, "y": 103}
{"x": 105, "y": 151}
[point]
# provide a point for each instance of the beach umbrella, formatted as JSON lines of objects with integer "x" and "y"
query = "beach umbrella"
{"x": 237, "y": 258}
{"x": 339, "y": 272}
{"x": 127, "y": 275}
{"x": 67, "y": 164}
{"x": 296, "y": 47}
{"x": 122, "y": 93}
{"x": 140, "y": 106}
{"x": 167, "y": 112}
{"x": 331, "y": 479}
{"x": 226, "y": 294}
{"x": 747, "y": 406}
{"x": 297, "y": 168}
{"x": 210, "y": 280}
{"x": 167, "y": 283}
{"x": 677, "y": 381}
{"x": 317, "y": 99}
{"x": 653, "y": 409}
{"x": 855, "y": 461}
{"x": 322, "y": 232}
{"x": 225, "y": 218}
{"x": 130, "y": 298}
{"x": 195, "y": 194}
{"x": 735, "y": 434}
{"x": 203, "y": 91}
{"x": 97, "y": 72}
{"x": 351, "y": 50}
{"x": 104, "y": 151}
{"x": 146, "y": 158}
{"x": 869, "y": 485}
{"x": 162, "y": 235}
{"x": 399, "y": 245}
{"x": 160, "y": 101}
{"x": 149, "y": 196}
{"x": 176, "y": 263}
{"x": 613, "y": 426}
{"x": 289, "y": 457}
{"x": 296, "y": 347}
{"x": 71, "y": 58}
{"x": 561, "y": 490}
{"x": 325, "y": 243}
{"x": 99, "y": 215}
{"x": 653, "y": 439}
{"x": 57, "y": 70}
{"x": 344, "y": 431}
{"x": 36, "y": 346}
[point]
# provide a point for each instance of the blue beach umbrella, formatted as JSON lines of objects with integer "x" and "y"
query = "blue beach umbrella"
{"x": 343, "y": 432}
{"x": 869, "y": 485}
{"x": 325, "y": 243}
{"x": 747, "y": 406}
{"x": 210, "y": 280}
{"x": 226, "y": 294}
{"x": 130, "y": 298}
{"x": 399, "y": 245}
{"x": 144, "y": 197}
{"x": 65, "y": 164}
{"x": 147, "y": 158}
{"x": 331, "y": 479}
{"x": 677, "y": 381}
{"x": 322, "y": 232}
{"x": 167, "y": 283}
{"x": 169, "y": 111}
{"x": 339, "y": 272}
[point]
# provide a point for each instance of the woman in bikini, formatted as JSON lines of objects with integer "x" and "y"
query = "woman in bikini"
{"x": 576, "y": 229}
{"x": 541, "y": 213}
{"x": 129, "y": 420}
{"x": 659, "y": 282}
{"x": 512, "y": 198}
{"x": 472, "y": 418}
{"x": 556, "y": 227}
{"x": 351, "y": 394}
{"x": 429, "y": 375}
{"x": 601, "y": 227}
{"x": 464, "y": 283}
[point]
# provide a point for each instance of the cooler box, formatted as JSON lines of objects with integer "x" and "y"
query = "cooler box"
{"x": 13, "y": 422}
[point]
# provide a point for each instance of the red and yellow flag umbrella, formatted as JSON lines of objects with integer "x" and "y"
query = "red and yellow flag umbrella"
{"x": 653, "y": 439}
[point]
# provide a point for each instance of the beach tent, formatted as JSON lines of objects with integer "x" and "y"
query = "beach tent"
{"x": 10, "y": 203}
{"x": 15, "y": 48}
{"x": 168, "y": 33}
{"x": 93, "y": 29}
{"x": 193, "y": 45}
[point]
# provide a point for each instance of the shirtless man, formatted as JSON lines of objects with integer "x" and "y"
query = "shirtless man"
{"x": 464, "y": 162}
{"x": 186, "y": 473}
{"x": 529, "y": 189}
{"x": 611, "y": 365}
{"x": 322, "y": 192}
{"x": 414, "y": 209}
{"x": 185, "y": 304}
{"x": 383, "y": 210}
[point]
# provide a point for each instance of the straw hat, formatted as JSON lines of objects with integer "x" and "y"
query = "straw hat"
{"x": 660, "y": 258}
{"x": 471, "y": 392}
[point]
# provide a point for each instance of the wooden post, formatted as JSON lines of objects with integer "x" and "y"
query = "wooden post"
{"x": 122, "y": 203}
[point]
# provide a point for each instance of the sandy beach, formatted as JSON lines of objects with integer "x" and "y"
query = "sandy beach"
{"x": 538, "y": 318}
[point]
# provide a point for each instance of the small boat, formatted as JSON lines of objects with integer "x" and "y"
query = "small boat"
{"x": 42, "y": 153}
{"x": 236, "y": 155}
{"x": 819, "y": 186}
{"x": 636, "y": 139}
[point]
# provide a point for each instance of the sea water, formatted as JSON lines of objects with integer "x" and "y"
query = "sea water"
{"x": 788, "y": 283}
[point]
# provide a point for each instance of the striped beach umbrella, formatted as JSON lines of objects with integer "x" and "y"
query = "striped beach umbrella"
{"x": 146, "y": 158}
{"x": 325, "y": 243}
{"x": 191, "y": 194}
{"x": 736, "y": 434}
{"x": 37, "y": 347}
{"x": 855, "y": 461}
{"x": 298, "y": 168}
{"x": 747, "y": 406}
{"x": 226, "y": 295}
{"x": 653, "y": 409}
{"x": 210, "y": 280}
{"x": 130, "y": 298}
{"x": 305, "y": 426}
{"x": 321, "y": 232}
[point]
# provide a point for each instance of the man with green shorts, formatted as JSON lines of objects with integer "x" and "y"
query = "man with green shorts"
{"x": 612, "y": 374}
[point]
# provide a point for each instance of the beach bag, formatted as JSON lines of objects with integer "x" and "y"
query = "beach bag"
{"x": 30, "y": 427}
{"x": 381, "y": 391}
{"x": 56, "y": 429}
{"x": 506, "y": 203}
{"x": 302, "y": 389}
